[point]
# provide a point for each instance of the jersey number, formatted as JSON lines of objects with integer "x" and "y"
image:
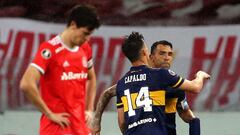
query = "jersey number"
{"x": 142, "y": 100}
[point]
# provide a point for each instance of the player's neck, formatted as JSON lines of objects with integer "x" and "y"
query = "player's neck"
{"x": 139, "y": 63}
{"x": 65, "y": 37}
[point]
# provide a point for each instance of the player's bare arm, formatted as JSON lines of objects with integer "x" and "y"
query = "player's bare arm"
{"x": 102, "y": 103}
{"x": 194, "y": 122}
{"x": 90, "y": 95}
{"x": 196, "y": 84}
{"x": 121, "y": 122}
{"x": 184, "y": 111}
{"x": 29, "y": 86}
{"x": 186, "y": 115}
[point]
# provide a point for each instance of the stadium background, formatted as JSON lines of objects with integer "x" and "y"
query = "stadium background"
{"x": 205, "y": 35}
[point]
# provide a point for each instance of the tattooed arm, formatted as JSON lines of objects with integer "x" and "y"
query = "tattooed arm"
{"x": 102, "y": 103}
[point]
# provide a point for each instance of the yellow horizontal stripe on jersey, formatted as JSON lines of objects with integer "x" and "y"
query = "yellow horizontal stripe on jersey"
{"x": 171, "y": 105}
{"x": 125, "y": 103}
{"x": 178, "y": 82}
{"x": 158, "y": 98}
{"x": 134, "y": 97}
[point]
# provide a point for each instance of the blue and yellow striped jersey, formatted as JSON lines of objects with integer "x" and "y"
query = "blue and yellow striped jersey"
{"x": 141, "y": 93}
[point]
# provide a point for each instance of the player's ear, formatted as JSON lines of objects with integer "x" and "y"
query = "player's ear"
{"x": 144, "y": 52}
{"x": 73, "y": 24}
{"x": 150, "y": 56}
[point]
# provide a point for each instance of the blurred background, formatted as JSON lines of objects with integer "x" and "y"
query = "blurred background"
{"x": 205, "y": 35}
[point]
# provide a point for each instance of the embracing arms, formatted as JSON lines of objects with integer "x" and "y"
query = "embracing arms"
{"x": 102, "y": 103}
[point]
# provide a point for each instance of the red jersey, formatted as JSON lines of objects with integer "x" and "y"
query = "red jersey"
{"x": 62, "y": 84}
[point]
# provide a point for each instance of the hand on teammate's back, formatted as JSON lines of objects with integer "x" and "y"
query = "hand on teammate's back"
{"x": 60, "y": 119}
{"x": 88, "y": 117}
{"x": 96, "y": 131}
{"x": 96, "y": 128}
{"x": 92, "y": 123}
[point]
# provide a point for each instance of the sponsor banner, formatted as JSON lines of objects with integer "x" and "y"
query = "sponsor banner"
{"x": 214, "y": 49}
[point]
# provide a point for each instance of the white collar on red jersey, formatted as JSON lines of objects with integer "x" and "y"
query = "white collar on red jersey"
{"x": 75, "y": 49}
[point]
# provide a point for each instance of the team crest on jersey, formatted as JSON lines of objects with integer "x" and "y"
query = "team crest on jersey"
{"x": 46, "y": 53}
{"x": 171, "y": 72}
{"x": 84, "y": 62}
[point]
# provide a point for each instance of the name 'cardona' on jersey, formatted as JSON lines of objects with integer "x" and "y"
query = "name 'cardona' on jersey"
{"x": 73, "y": 76}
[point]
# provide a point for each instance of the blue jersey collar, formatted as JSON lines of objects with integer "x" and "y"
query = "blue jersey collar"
{"x": 138, "y": 67}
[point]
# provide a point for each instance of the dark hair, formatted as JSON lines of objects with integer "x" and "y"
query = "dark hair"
{"x": 132, "y": 45}
{"x": 162, "y": 42}
{"x": 84, "y": 16}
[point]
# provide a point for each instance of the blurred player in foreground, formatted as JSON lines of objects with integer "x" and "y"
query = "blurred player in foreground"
{"x": 134, "y": 109}
{"x": 161, "y": 57}
{"x": 63, "y": 66}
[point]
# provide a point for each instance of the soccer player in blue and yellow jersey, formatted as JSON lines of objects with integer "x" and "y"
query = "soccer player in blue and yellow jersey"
{"x": 141, "y": 92}
{"x": 161, "y": 57}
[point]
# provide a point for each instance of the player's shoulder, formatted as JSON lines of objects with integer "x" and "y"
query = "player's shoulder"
{"x": 55, "y": 41}
{"x": 54, "y": 45}
{"x": 120, "y": 85}
{"x": 121, "y": 81}
{"x": 165, "y": 71}
{"x": 159, "y": 70}
{"x": 86, "y": 47}
{"x": 51, "y": 47}
{"x": 151, "y": 69}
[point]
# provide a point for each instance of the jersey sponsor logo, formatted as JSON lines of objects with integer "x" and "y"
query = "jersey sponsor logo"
{"x": 171, "y": 72}
{"x": 73, "y": 76}
{"x": 142, "y": 121}
{"x": 46, "y": 53}
{"x": 135, "y": 78}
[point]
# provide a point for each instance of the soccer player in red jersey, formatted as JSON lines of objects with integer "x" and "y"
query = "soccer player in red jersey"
{"x": 63, "y": 67}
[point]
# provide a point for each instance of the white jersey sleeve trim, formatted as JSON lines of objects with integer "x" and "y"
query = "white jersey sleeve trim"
{"x": 38, "y": 67}
{"x": 90, "y": 63}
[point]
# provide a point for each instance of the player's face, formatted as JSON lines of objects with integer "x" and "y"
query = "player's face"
{"x": 162, "y": 56}
{"x": 81, "y": 35}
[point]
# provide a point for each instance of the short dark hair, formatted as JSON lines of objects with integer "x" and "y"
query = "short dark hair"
{"x": 132, "y": 45}
{"x": 162, "y": 42}
{"x": 84, "y": 16}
